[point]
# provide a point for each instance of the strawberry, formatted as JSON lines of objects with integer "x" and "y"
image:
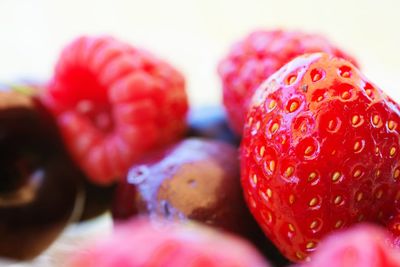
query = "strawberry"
{"x": 361, "y": 246}
{"x": 161, "y": 244}
{"x": 320, "y": 152}
{"x": 113, "y": 103}
{"x": 254, "y": 58}
{"x": 393, "y": 225}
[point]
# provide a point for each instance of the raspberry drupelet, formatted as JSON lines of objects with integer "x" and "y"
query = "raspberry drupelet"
{"x": 113, "y": 103}
{"x": 254, "y": 58}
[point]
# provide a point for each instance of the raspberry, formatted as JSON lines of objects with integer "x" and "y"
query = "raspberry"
{"x": 114, "y": 102}
{"x": 146, "y": 243}
{"x": 363, "y": 245}
{"x": 253, "y": 59}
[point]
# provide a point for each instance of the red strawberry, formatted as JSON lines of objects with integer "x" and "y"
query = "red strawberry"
{"x": 145, "y": 244}
{"x": 320, "y": 152}
{"x": 393, "y": 226}
{"x": 361, "y": 246}
{"x": 257, "y": 56}
{"x": 114, "y": 102}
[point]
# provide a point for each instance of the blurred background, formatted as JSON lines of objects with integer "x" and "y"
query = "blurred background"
{"x": 194, "y": 34}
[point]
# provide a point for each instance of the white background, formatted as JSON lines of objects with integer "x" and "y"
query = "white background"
{"x": 192, "y": 35}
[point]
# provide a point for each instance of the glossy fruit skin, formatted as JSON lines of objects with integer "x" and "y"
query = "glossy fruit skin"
{"x": 164, "y": 244}
{"x": 113, "y": 103}
{"x": 258, "y": 55}
{"x": 320, "y": 152}
{"x": 393, "y": 225}
{"x": 360, "y": 246}
{"x": 210, "y": 122}
{"x": 97, "y": 199}
{"x": 40, "y": 191}
{"x": 195, "y": 179}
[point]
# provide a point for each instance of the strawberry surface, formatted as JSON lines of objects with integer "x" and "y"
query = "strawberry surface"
{"x": 114, "y": 102}
{"x": 320, "y": 152}
{"x": 361, "y": 246}
{"x": 393, "y": 226}
{"x": 147, "y": 243}
{"x": 254, "y": 58}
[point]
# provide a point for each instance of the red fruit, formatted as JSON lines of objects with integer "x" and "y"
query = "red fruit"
{"x": 257, "y": 56}
{"x": 393, "y": 226}
{"x": 113, "y": 103}
{"x": 320, "y": 152}
{"x": 361, "y": 246}
{"x": 150, "y": 244}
